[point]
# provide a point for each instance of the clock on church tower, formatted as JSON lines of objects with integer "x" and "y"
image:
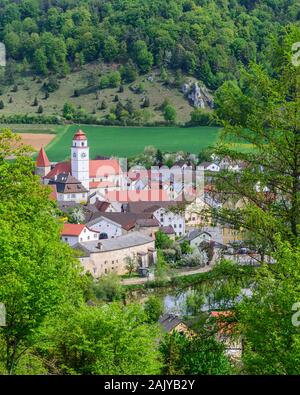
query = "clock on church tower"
{"x": 80, "y": 155}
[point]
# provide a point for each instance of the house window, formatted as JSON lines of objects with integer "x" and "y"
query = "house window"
{"x": 83, "y": 195}
{"x": 180, "y": 226}
{"x": 66, "y": 239}
{"x": 175, "y": 226}
{"x": 80, "y": 238}
{"x": 105, "y": 262}
{"x": 112, "y": 262}
{"x": 73, "y": 196}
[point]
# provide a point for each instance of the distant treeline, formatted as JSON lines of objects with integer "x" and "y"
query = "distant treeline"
{"x": 209, "y": 39}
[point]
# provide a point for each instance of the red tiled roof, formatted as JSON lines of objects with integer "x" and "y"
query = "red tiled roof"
{"x": 137, "y": 196}
{"x": 224, "y": 326}
{"x": 42, "y": 159}
{"x": 62, "y": 167}
{"x": 72, "y": 229}
{"x": 101, "y": 168}
{"x": 79, "y": 135}
{"x": 98, "y": 168}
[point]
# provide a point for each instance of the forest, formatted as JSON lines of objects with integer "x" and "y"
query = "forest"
{"x": 208, "y": 39}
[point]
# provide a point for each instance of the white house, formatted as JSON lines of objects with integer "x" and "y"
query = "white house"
{"x": 168, "y": 218}
{"x": 78, "y": 233}
{"x": 106, "y": 228}
{"x": 210, "y": 166}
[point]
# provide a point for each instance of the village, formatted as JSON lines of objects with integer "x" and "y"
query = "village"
{"x": 113, "y": 216}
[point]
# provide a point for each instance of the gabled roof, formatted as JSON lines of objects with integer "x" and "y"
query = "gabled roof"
{"x": 168, "y": 230}
{"x": 129, "y": 240}
{"x": 72, "y": 229}
{"x": 65, "y": 183}
{"x": 169, "y": 321}
{"x": 42, "y": 159}
{"x": 101, "y": 168}
{"x": 62, "y": 167}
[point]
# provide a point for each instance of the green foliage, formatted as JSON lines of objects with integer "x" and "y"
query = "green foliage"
{"x": 110, "y": 339}
{"x": 271, "y": 340}
{"x": 208, "y": 39}
{"x": 202, "y": 118}
{"x": 154, "y": 308}
{"x": 194, "y": 355}
{"x": 162, "y": 241}
{"x": 38, "y": 274}
{"x": 110, "y": 80}
{"x": 108, "y": 288}
{"x": 170, "y": 113}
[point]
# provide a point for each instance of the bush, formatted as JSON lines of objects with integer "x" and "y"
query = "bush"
{"x": 200, "y": 117}
{"x": 40, "y": 110}
{"x": 170, "y": 114}
{"x": 110, "y": 80}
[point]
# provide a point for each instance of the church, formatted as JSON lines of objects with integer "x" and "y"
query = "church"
{"x": 78, "y": 178}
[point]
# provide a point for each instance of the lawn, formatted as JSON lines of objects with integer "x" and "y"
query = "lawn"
{"x": 128, "y": 141}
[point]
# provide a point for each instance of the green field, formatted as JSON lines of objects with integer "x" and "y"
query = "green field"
{"x": 128, "y": 141}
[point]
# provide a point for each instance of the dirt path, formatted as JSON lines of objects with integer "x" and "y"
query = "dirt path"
{"x": 142, "y": 280}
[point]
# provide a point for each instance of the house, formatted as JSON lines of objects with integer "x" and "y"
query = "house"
{"x": 210, "y": 166}
{"x": 148, "y": 226}
{"x": 162, "y": 212}
{"x": 110, "y": 255}
{"x": 227, "y": 333}
{"x": 124, "y": 222}
{"x": 69, "y": 189}
{"x": 171, "y": 323}
{"x": 196, "y": 237}
{"x": 77, "y": 233}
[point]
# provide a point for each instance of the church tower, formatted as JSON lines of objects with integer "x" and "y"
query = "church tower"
{"x": 80, "y": 159}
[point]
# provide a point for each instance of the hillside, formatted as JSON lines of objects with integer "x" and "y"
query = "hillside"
{"x": 28, "y": 94}
{"x": 206, "y": 39}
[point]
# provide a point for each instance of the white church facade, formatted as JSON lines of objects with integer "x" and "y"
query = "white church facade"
{"x": 103, "y": 175}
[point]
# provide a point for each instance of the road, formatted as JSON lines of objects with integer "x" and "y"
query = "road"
{"x": 179, "y": 273}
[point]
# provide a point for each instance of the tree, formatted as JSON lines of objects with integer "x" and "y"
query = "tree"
{"x": 162, "y": 241}
{"x": 1, "y": 104}
{"x": 142, "y": 57}
{"x": 159, "y": 158}
{"x": 170, "y": 113}
{"x": 108, "y": 288}
{"x": 269, "y": 182}
{"x": 108, "y": 339}
{"x": 202, "y": 117}
{"x": 40, "y": 110}
{"x": 131, "y": 264}
{"x": 154, "y": 308}
{"x": 271, "y": 333}
{"x": 194, "y": 355}
{"x": 35, "y": 102}
{"x": 76, "y": 215}
{"x": 129, "y": 72}
{"x": 34, "y": 281}
{"x": 103, "y": 105}
{"x": 69, "y": 111}
{"x": 146, "y": 102}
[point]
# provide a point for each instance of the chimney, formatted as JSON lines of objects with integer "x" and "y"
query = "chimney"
{"x": 100, "y": 246}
